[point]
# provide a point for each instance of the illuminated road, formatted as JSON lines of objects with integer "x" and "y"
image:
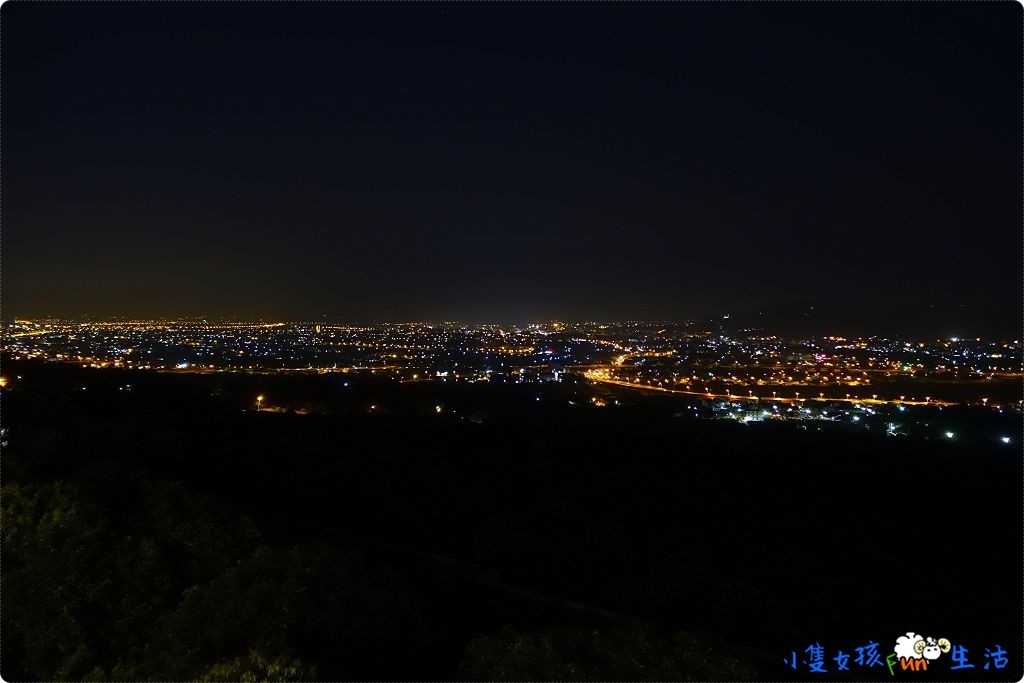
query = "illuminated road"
{"x": 31, "y": 334}
{"x": 591, "y": 375}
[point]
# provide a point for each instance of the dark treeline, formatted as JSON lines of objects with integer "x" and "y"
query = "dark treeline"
{"x": 171, "y": 531}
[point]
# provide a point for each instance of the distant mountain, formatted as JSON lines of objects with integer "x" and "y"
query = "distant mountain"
{"x": 887, "y": 319}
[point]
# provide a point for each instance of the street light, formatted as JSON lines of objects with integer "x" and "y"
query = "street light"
{"x": 259, "y": 401}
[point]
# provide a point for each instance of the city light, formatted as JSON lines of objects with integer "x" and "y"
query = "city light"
{"x": 467, "y": 212}
{"x": 680, "y": 359}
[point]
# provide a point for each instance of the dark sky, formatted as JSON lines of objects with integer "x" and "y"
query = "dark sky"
{"x": 510, "y": 161}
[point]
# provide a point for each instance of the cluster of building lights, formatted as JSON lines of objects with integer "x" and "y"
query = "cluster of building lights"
{"x": 671, "y": 357}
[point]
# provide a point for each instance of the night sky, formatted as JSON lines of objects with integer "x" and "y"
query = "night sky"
{"x": 511, "y": 161}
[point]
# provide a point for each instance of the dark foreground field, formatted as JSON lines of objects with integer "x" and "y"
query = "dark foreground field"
{"x": 170, "y": 532}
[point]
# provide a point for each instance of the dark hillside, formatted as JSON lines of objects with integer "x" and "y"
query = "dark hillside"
{"x": 768, "y": 536}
